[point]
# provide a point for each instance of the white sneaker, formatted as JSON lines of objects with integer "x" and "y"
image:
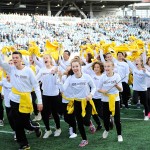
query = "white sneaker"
{"x": 15, "y": 138}
{"x": 47, "y": 134}
{"x": 70, "y": 131}
{"x": 38, "y": 117}
{"x": 57, "y": 132}
{"x": 120, "y": 138}
{"x": 105, "y": 134}
{"x": 73, "y": 136}
{"x": 1, "y": 123}
{"x": 146, "y": 118}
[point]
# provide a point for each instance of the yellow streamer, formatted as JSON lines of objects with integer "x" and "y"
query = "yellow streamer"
{"x": 25, "y": 105}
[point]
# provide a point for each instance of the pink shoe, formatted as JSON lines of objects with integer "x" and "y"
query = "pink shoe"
{"x": 149, "y": 114}
{"x": 92, "y": 128}
{"x": 83, "y": 143}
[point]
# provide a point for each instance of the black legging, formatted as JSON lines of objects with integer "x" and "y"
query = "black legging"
{"x": 69, "y": 118}
{"x": 21, "y": 122}
{"x": 81, "y": 121}
{"x": 99, "y": 108}
{"x": 1, "y": 108}
{"x": 148, "y": 98}
{"x": 143, "y": 99}
{"x": 125, "y": 94}
{"x": 10, "y": 119}
{"x": 50, "y": 105}
{"x": 106, "y": 116}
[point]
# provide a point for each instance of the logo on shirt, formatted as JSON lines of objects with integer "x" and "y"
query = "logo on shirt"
{"x": 81, "y": 83}
{"x": 21, "y": 76}
{"x": 95, "y": 78}
{"x": 110, "y": 82}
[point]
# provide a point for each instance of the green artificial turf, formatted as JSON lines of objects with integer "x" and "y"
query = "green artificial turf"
{"x": 135, "y": 131}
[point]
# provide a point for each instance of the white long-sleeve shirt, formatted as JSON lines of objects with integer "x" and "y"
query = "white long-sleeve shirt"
{"x": 148, "y": 78}
{"x": 49, "y": 81}
{"x": 123, "y": 70}
{"x": 81, "y": 87}
{"x": 68, "y": 92}
{"x": 97, "y": 80}
{"x": 23, "y": 80}
{"x": 63, "y": 65}
{"x": 6, "y": 90}
{"x": 139, "y": 78}
{"x": 107, "y": 83}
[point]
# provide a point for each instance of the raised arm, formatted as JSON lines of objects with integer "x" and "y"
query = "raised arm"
{"x": 131, "y": 65}
{"x": 26, "y": 60}
{"x": 144, "y": 57}
{"x": 4, "y": 65}
{"x": 38, "y": 62}
{"x": 101, "y": 56}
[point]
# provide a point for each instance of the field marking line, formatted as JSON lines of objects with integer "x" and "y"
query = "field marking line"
{"x": 132, "y": 119}
{"x": 10, "y": 132}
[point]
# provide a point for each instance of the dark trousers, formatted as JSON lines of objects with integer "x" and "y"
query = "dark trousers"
{"x": 106, "y": 116}
{"x": 99, "y": 108}
{"x": 69, "y": 118}
{"x": 1, "y": 108}
{"x": 143, "y": 99}
{"x": 81, "y": 121}
{"x": 50, "y": 105}
{"x": 60, "y": 105}
{"x": 10, "y": 119}
{"x": 33, "y": 95}
{"x": 148, "y": 98}
{"x": 21, "y": 122}
{"x": 125, "y": 95}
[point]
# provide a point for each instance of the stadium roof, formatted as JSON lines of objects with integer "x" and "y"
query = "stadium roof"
{"x": 40, "y": 6}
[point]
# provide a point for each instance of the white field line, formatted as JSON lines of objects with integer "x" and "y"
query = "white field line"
{"x": 9, "y": 132}
{"x": 131, "y": 119}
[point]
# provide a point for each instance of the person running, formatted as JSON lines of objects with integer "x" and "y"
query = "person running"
{"x": 66, "y": 95}
{"x": 98, "y": 69}
{"x": 23, "y": 81}
{"x": 1, "y": 101}
{"x": 140, "y": 74}
{"x": 50, "y": 95}
{"x": 5, "y": 83}
{"x": 110, "y": 86}
{"x": 83, "y": 88}
{"x": 123, "y": 71}
{"x": 147, "y": 66}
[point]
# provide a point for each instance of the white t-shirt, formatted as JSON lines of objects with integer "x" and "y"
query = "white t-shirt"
{"x": 81, "y": 87}
{"x": 49, "y": 81}
{"x": 6, "y": 90}
{"x": 107, "y": 83}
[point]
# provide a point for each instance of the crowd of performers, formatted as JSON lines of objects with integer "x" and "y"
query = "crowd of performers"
{"x": 95, "y": 86}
